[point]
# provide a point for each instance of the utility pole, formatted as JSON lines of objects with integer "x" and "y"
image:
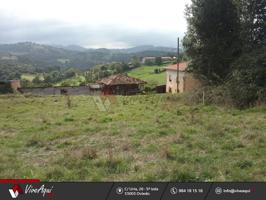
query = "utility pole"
{"x": 177, "y": 66}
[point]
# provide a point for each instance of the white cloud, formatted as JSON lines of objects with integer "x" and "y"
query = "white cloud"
{"x": 162, "y": 16}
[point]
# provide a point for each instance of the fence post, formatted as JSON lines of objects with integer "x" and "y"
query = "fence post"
{"x": 203, "y": 97}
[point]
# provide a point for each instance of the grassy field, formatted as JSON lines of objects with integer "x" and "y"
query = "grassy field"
{"x": 74, "y": 81}
{"x": 146, "y": 73}
{"x": 30, "y": 77}
{"x": 137, "y": 138}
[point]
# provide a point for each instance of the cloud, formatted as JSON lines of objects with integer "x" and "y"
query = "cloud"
{"x": 13, "y": 29}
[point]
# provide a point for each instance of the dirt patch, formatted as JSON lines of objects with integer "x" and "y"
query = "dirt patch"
{"x": 8, "y": 133}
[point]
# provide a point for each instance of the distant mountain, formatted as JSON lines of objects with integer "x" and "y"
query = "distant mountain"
{"x": 149, "y": 48}
{"x": 136, "y": 49}
{"x": 44, "y": 57}
{"x": 72, "y": 48}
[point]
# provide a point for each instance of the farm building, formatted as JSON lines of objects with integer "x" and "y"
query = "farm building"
{"x": 146, "y": 60}
{"x": 186, "y": 80}
{"x": 121, "y": 84}
{"x": 168, "y": 59}
{"x": 10, "y": 86}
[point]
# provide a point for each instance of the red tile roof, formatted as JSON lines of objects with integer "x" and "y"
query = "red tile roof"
{"x": 120, "y": 79}
{"x": 182, "y": 66}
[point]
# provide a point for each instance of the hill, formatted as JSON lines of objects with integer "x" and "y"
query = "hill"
{"x": 29, "y": 57}
{"x": 146, "y": 48}
{"x": 138, "y": 138}
{"x": 72, "y": 47}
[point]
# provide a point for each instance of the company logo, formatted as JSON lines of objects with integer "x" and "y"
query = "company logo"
{"x": 15, "y": 191}
{"x": 41, "y": 190}
{"x": 103, "y": 103}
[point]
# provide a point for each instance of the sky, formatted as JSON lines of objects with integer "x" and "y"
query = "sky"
{"x": 93, "y": 23}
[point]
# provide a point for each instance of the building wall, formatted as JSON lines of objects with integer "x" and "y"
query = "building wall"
{"x": 187, "y": 82}
{"x": 15, "y": 85}
{"x": 171, "y": 86}
{"x": 148, "y": 59}
{"x": 191, "y": 83}
{"x": 11, "y": 86}
{"x": 167, "y": 59}
{"x": 130, "y": 89}
{"x": 81, "y": 90}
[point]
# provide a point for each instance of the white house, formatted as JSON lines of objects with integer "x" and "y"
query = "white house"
{"x": 186, "y": 80}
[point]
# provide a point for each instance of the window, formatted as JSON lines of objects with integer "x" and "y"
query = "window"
{"x": 170, "y": 78}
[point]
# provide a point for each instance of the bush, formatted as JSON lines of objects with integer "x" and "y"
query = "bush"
{"x": 6, "y": 88}
{"x": 243, "y": 92}
{"x": 245, "y": 87}
{"x": 261, "y": 97}
{"x": 218, "y": 95}
{"x": 248, "y": 80}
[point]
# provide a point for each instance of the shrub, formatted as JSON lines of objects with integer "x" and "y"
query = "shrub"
{"x": 242, "y": 90}
{"x": 244, "y": 164}
{"x": 218, "y": 95}
{"x": 247, "y": 82}
{"x": 69, "y": 119}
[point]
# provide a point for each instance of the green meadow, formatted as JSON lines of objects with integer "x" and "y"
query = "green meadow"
{"x": 129, "y": 138}
{"x": 147, "y": 74}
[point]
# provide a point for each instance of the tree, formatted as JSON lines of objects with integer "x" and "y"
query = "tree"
{"x": 247, "y": 82}
{"x": 69, "y": 73}
{"x": 125, "y": 66}
{"x": 135, "y": 61}
{"x": 37, "y": 80}
{"x": 149, "y": 62}
{"x": 26, "y": 83}
{"x": 158, "y": 61}
{"x": 212, "y": 39}
{"x": 253, "y": 23}
{"x": 248, "y": 79}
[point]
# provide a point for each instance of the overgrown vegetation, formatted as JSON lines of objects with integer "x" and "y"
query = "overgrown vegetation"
{"x": 226, "y": 43}
{"x": 139, "y": 138}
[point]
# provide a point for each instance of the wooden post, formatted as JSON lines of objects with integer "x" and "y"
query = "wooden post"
{"x": 203, "y": 97}
{"x": 177, "y": 69}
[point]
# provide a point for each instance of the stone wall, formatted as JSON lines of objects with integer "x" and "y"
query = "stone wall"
{"x": 15, "y": 85}
{"x": 79, "y": 90}
{"x": 191, "y": 83}
{"x": 187, "y": 82}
